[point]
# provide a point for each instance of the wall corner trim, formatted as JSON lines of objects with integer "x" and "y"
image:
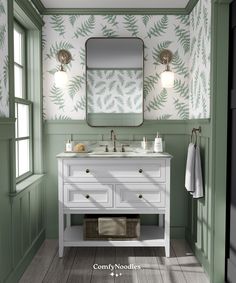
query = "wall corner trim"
{"x": 39, "y": 6}
{"x": 30, "y": 11}
{"x": 190, "y": 6}
{"x": 115, "y": 11}
{"x": 227, "y": 2}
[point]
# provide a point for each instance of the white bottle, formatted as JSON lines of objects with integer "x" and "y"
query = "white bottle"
{"x": 69, "y": 146}
{"x": 144, "y": 143}
{"x": 158, "y": 144}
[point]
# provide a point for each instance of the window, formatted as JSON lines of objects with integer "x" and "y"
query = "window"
{"x": 23, "y": 107}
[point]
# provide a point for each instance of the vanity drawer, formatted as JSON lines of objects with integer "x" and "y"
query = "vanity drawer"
{"x": 144, "y": 170}
{"x": 140, "y": 195}
{"x": 88, "y": 195}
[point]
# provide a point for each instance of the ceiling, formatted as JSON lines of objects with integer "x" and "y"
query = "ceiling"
{"x": 161, "y": 4}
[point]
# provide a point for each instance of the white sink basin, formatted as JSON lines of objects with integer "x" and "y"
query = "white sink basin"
{"x": 111, "y": 153}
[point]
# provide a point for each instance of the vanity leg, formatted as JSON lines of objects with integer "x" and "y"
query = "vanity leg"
{"x": 60, "y": 209}
{"x": 61, "y": 232}
{"x": 167, "y": 234}
{"x": 61, "y": 251}
{"x": 167, "y": 249}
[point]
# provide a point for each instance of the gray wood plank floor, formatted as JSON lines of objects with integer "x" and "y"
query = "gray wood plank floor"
{"x": 151, "y": 265}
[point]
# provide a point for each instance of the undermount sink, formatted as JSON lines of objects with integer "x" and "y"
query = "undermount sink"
{"x": 112, "y": 153}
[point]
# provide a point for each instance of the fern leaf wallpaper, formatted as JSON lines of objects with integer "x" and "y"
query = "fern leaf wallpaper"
{"x": 180, "y": 34}
{"x": 199, "y": 62}
{"x": 4, "y": 97}
{"x": 117, "y": 87}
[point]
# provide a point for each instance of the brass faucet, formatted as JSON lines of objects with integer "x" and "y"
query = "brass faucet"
{"x": 113, "y": 138}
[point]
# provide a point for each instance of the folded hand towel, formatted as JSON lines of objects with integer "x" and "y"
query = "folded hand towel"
{"x": 189, "y": 174}
{"x": 112, "y": 226}
{"x": 198, "y": 184}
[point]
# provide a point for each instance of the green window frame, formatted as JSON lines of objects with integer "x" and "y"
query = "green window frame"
{"x": 23, "y": 107}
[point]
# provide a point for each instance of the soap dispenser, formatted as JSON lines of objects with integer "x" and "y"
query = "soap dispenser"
{"x": 158, "y": 144}
{"x": 69, "y": 146}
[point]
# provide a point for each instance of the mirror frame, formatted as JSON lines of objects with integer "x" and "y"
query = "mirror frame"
{"x": 108, "y": 126}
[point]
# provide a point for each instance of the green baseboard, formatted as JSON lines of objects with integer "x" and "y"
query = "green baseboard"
{"x": 25, "y": 261}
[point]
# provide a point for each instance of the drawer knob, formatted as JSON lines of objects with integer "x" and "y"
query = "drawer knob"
{"x": 87, "y": 171}
{"x": 140, "y": 196}
{"x": 87, "y": 196}
{"x": 140, "y": 170}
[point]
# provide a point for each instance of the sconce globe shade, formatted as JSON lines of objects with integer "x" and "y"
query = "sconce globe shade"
{"x": 61, "y": 79}
{"x": 167, "y": 79}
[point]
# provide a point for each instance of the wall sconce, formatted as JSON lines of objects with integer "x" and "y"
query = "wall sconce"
{"x": 167, "y": 76}
{"x": 61, "y": 77}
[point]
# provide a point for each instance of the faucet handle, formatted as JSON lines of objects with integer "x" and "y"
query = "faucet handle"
{"x": 123, "y": 147}
{"x": 106, "y": 147}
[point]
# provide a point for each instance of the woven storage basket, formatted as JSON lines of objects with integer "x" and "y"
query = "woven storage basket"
{"x": 91, "y": 231}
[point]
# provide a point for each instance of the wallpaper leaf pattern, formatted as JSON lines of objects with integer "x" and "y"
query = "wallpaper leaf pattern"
{"x": 115, "y": 91}
{"x": 130, "y": 23}
{"x": 158, "y": 32}
{"x": 75, "y": 85}
{"x": 57, "y": 23}
{"x": 146, "y": 19}
{"x": 73, "y": 19}
{"x": 159, "y": 27}
{"x": 86, "y": 28}
{"x": 158, "y": 101}
{"x": 4, "y": 96}
{"x": 111, "y": 19}
{"x": 183, "y": 37}
{"x": 109, "y": 32}
{"x": 199, "y": 63}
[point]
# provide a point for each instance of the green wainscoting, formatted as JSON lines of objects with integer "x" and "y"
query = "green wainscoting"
{"x": 189, "y": 218}
{"x": 22, "y": 228}
{"x": 199, "y": 226}
{"x": 6, "y": 251}
{"x": 176, "y": 139}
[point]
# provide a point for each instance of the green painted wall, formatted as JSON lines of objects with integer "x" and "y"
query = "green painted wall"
{"x": 22, "y": 227}
{"x": 189, "y": 218}
{"x": 57, "y": 132}
{"x": 199, "y": 225}
{"x": 203, "y": 221}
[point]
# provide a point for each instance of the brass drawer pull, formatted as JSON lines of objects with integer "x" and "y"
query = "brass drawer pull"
{"x": 140, "y": 196}
{"x": 87, "y": 171}
{"x": 140, "y": 170}
{"x": 87, "y": 196}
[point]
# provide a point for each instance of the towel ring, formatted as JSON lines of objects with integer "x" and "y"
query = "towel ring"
{"x": 194, "y": 131}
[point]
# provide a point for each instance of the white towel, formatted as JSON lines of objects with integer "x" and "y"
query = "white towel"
{"x": 198, "y": 184}
{"x": 190, "y": 166}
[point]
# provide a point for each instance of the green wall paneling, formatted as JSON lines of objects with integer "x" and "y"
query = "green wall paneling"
{"x": 21, "y": 213}
{"x": 218, "y": 153}
{"x": 174, "y": 132}
{"x": 25, "y": 261}
{"x": 5, "y": 211}
{"x": 27, "y": 225}
{"x": 199, "y": 227}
